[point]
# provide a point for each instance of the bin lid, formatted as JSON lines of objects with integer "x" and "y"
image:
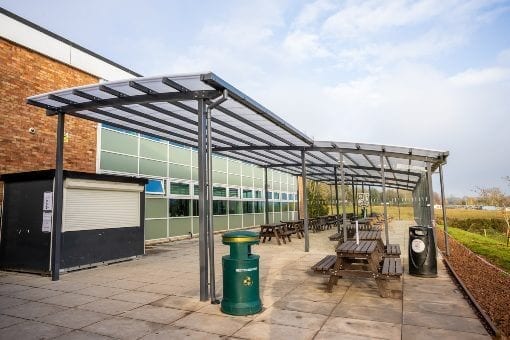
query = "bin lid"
{"x": 240, "y": 236}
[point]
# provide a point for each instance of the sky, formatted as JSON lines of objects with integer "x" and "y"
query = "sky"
{"x": 432, "y": 74}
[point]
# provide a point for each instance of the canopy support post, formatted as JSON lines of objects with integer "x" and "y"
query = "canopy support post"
{"x": 446, "y": 247}
{"x": 353, "y": 199}
{"x": 344, "y": 213}
{"x": 363, "y": 208}
{"x": 336, "y": 201}
{"x": 202, "y": 200}
{"x": 398, "y": 204}
{"x": 266, "y": 199}
{"x": 383, "y": 181}
{"x": 370, "y": 199}
{"x": 58, "y": 195}
{"x": 305, "y": 201}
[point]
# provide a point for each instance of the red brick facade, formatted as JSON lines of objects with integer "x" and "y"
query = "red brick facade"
{"x": 24, "y": 73}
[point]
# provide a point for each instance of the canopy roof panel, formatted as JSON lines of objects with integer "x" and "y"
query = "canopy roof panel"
{"x": 166, "y": 107}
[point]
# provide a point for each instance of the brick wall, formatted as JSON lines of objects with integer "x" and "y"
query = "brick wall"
{"x": 24, "y": 73}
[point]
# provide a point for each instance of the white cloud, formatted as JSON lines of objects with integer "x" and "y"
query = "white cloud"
{"x": 477, "y": 77}
{"x": 301, "y": 46}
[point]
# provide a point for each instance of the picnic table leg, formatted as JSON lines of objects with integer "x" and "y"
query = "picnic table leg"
{"x": 277, "y": 237}
{"x": 333, "y": 278}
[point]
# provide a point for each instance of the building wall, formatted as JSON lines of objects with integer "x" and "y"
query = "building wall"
{"x": 171, "y": 214}
{"x": 23, "y": 73}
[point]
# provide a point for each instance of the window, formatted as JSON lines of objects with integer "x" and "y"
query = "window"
{"x": 219, "y": 192}
{"x": 195, "y": 207}
{"x": 284, "y": 196}
{"x": 258, "y": 194}
{"x": 196, "y": 189}
{"x": 155, "y": 187}
{"x": 111, "y": 127}
{"x": 233, "y": 192}
{"x": 285, "y": 206}
{"x": 276, "y": 195}
{"x": 269, "y": 195}
{"x": 247, "y": 193}
{"x": 219, "y": 207}
{"x": 179, "y": 207}
{"x": 248, "y": 207}
{"x": 179, "y": 188}
{"x": 235, "y": 207}
{"x": 292, "y": 206}
{"x": 276, "y": 206}
{"x": 259, "y": 206}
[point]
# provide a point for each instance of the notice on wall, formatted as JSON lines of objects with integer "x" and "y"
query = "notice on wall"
{"x": 47, "y": 221}
{"x": 48, "y": 201}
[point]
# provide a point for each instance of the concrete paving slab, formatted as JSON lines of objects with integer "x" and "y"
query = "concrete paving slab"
{"x": 36, "y": 294}
{"x": 157, "y": 314}
{"x": 123, "y": 328}
{"x": 69, "y": 299}
{"x": 324, "y": 308}
{"x": 10, "y": 288}
{"x": 174, "y": 332}
{"x": 73, "y": 318}
{"x": 82, "y": 335}
{"x": 138, "y": 297}
{"x": 6, "y": 320}
{"x": 125, "y": 284}
{"x": 66, "y": 286}
{"x": 410, "y": 332}
{"x": 6, "y": 302}
{"x": 450, "y": 322}
{"x": 102, "y": 291}
{"x": 262, "y": 331}
{"x": 325, "y": 335}
{"x": 368, "y": 313}
{"x": 292, "y": 318}
{"x": 108, "y": 306}
{"x": 456, "y": 309}
{"x": 216, "y": 324}
{"x": 366, "y": 328}
{"x": 29, "y": 330}
{"x": 32, "y": 310}
{"x": 179, "y": 302}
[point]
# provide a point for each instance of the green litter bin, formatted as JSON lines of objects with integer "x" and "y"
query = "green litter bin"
{"x": 241, "y": 294}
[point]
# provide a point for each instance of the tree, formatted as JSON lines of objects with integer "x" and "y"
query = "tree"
{"x": 316, "y": 200}
{"x": 495, "y": 197}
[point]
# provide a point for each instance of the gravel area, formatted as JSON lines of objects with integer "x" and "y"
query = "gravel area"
{"x": 488, "y": 284}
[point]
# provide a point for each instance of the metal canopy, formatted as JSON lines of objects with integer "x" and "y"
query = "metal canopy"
{"x": 166, "y": 107}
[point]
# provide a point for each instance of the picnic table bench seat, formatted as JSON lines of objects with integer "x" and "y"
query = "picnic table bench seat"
{"x": 391, "y": 269}
{"x": 336, "y": 236}
{"x": 392, "y": 250}
{"x": 324, "y": 265}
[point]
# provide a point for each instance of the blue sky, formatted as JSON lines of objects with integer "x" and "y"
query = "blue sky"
{"x": 433, "y": 74}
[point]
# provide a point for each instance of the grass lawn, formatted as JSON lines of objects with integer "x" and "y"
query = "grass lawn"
{"x": 496, "y": 252}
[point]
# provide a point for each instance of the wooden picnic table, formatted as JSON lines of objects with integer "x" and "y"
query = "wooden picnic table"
{"x": 295, "y": 227}
{"x": 277, "y": 230}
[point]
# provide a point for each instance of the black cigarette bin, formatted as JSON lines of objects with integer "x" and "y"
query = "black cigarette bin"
{"x": 422, "y": 252}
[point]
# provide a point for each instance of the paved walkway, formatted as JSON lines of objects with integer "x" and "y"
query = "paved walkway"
{"x": 156, "y": 297}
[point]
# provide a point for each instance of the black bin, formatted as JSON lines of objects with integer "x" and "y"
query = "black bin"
{"x": 422, "y": 252}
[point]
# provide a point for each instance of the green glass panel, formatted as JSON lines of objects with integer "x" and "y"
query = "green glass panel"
{"x": 233, "y": 192}
{"x": 219, "y": 164}
{"x": 152, "y": 149}
{"x": 119, "y": 142}
{"x": 194, "y": 174}
{"x": 259, "y": 219}
{"x": 155, "y": 229}
{"x": 195, "y": 225}
{"x": 248, "y": 220}
{"x": 155, "y": 207}
{"x": 247, "y": 169}
{"x": 234, "y": 167}
{"x": 179, "y": 155}
{"x": 114, "y": 162}
{"x": 219, "y": 177}
{"x": 180, "y": 226}
{"x": 247, "y": 181}
{"x": 235, "y": 222}
{"x": 234, "y": 180}
{"x": 258, "y": 172}
{"x": 220, "y": 223}
{"x": 179, "y": 171}
{"x": 152, "y": 168}
{"x": 219, "y": 192}
{"x": 179, "y": 188}
{"x": 194, "y": 158}
{"x": 258, "y": 183}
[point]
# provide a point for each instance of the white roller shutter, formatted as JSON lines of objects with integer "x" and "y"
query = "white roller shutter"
{"x": 92, "y": 204}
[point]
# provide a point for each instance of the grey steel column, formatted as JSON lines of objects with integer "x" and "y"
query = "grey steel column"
{"x": 336, "y": 200}
{"x": 370, "y": 198}
{"x": 305, "y": 201}
{"x": 431, "y": 195}
{"x": 58, "y": 195}
{"x": 210, "y": 216}
{"x": 353, "y": 200}
{"x": 398, "y": 204}
{"x": 344, "y": 213}
{"x": 202, "y": 200}
{"x": 266, "y": 199}
{"x": 357, "y": 203}
{"x": 383, "y": 180}
{"x": 446, "y": 247}
{"x": 364, "y": 209}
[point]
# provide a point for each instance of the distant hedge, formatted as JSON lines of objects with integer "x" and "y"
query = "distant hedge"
{"x": 476, "y": 225}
